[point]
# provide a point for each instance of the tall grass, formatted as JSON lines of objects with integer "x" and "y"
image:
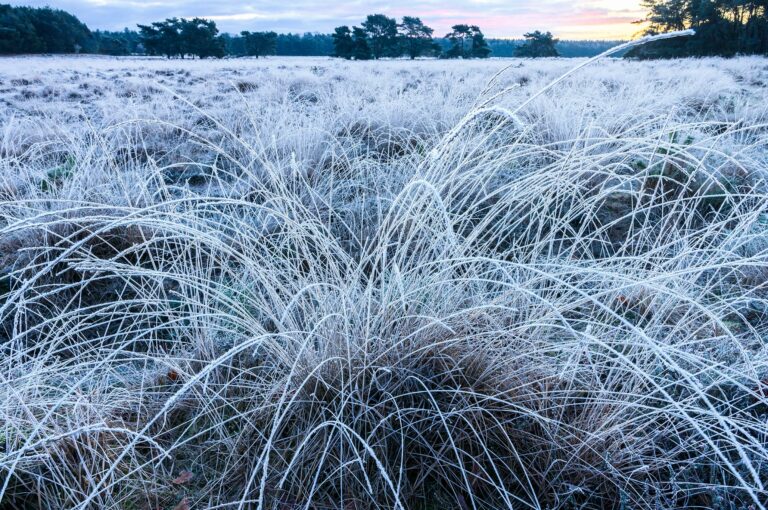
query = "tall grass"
{"x": 491, "y": 316}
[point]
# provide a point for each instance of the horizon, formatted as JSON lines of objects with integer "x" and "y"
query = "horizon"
{"x": 577, "y": 20}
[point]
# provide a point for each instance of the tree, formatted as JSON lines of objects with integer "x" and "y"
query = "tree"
{"x": 467, "y": 41}
{"x": 259, "y": 44}
{"x": 17, "y": 33}
{"x": 723, "y": 27}
{"x": 479, "y": 47}
{"x": 170, "y": 37}
{"x": 200, "y": 37}
{"x": 176, "y": 37}
{"x": 234, "y": 45}
{"x": 381, "y": 33}
{"x": 343, "y": 44}
{"x": 45, "y": 30}
{"x": 126, "y": 42}
{"x": 666, "y": 15}
{"x": 362, "y": 51}
{"x": 538, "y": 44}
{"x": 108, "y": 44}
{"x": 416, "y": 37}
{"x": 163, "y": 38}
{"x": 150, "y": 39}
{"x": 457, "y": 39}
{"x": 60, "y": 31}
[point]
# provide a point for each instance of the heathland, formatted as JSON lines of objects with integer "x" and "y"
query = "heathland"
{"x": 308, "y": 283}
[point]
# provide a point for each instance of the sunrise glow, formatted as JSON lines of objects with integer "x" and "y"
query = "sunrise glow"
{"x": 580, "y": 19}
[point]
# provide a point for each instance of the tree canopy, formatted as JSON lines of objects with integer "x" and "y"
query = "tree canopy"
{"x": 538, "y": 44}
{"x": 43, "y": 30}
{"x": 200, "y": 37}
{"x": 259, "y": 44}
{"x": 178, "y": 37}
{"x": 343, "y": 45}
{"x": 361, "y": 49}
{"x": 467, "y": 41}
{"x": 723, "y": 27}
{"x": 380, "y": 36}
{"x": 126, "y": 42}
{"x": 416, "y": 37}
{"x": 351, "y": 44}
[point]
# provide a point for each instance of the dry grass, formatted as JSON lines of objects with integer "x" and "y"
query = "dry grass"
{"x": 330, "y": 292}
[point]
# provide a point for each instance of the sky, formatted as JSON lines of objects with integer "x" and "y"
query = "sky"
{"x": 567, "y": 19}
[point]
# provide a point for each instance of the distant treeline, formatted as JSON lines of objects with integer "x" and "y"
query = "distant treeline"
{"x": 128, "y": 42}
{"x": 724, "y": 27}
{"x": 567, "y": 49}
{"x": 27, "y": 30}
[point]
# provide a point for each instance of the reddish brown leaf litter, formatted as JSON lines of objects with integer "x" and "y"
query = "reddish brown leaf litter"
{"x": 183, "y": 478}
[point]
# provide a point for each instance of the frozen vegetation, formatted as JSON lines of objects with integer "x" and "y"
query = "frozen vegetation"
{"x": 313, "y": 284}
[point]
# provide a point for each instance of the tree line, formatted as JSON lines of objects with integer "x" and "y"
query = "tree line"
{"x": 381, "y": 36}
{"x": 129, "y": 42}
{"x": 723, "y": 28}
{"x": 27, "y": 30}
{"x": 178, "y": 37}
{"x": 42, "y": 30}
{"x": 505, "y": 48}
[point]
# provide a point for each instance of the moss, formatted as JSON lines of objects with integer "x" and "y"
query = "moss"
{"x": 55, "y": 177}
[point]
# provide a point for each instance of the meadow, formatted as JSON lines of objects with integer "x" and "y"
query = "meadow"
{"x": 303, "y": 283}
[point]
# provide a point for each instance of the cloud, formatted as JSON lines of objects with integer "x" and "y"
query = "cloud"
{"x": 498, "y": 18}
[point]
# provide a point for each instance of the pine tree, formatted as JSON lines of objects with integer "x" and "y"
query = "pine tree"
{"x": 723, "y": 27}
{"x": 381, "y": 33}
{"x": 537, "y": 44}
{"x": 416, "y": 37}
{"x": 467, "y": 41}
{"x": 343, "y": 45}
{"x": 362, "y": 51}
{"x": 479, "y": 47}
{"x": 259, "y": 44}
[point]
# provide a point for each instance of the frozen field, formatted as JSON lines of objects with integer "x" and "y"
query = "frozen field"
{"x": 311, "y": 283}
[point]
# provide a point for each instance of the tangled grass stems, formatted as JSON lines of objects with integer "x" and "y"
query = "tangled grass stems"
{"x": 482, "y": 318}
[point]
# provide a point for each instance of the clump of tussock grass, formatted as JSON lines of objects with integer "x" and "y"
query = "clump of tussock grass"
{"x": 490, "y": 316}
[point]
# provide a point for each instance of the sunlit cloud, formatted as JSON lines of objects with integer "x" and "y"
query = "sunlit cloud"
{"x": 567, "y": 19}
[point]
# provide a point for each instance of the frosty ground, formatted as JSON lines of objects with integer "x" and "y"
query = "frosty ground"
{"x": 312, "y": 283}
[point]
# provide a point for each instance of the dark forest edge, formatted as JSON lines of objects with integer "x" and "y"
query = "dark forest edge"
{"x": 724, "y": 28}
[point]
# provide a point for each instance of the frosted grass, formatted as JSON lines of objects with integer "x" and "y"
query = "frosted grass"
{"x": 338, "y": 289}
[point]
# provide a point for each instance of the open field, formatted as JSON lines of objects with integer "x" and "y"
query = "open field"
{"x": 307, "y": 283}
